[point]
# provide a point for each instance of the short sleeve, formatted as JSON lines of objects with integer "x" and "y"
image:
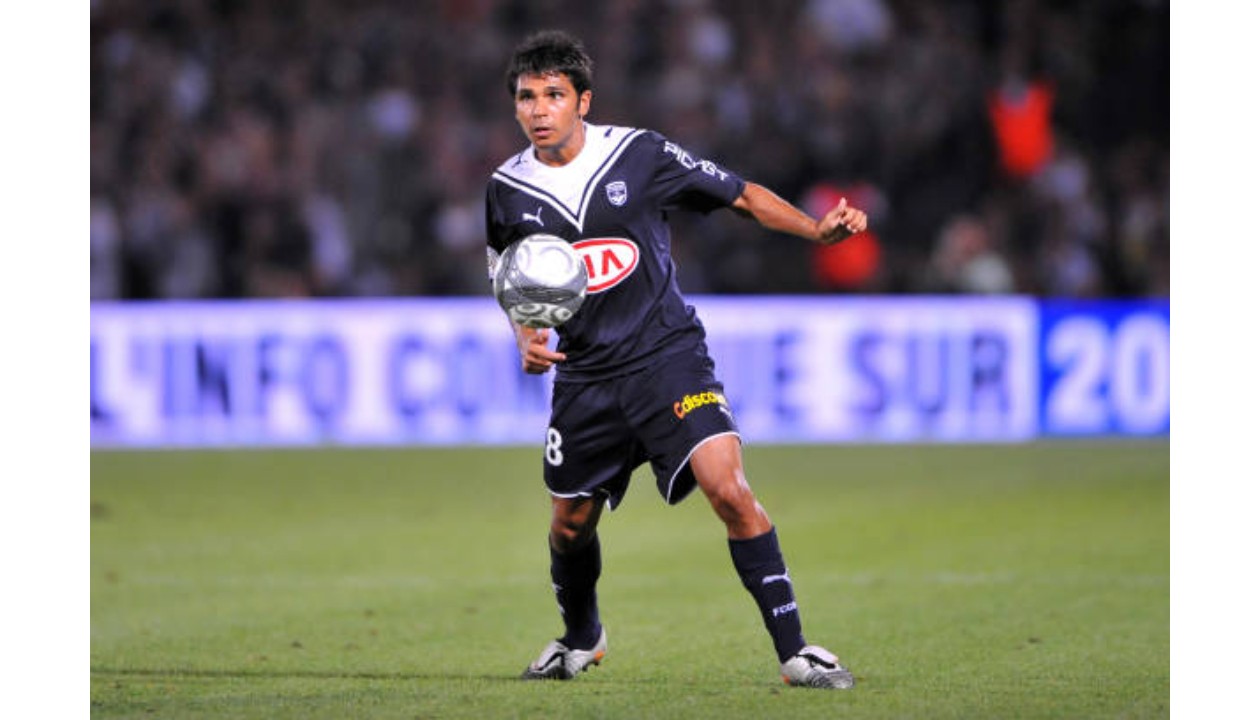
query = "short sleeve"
{"x": 691, "y": 183}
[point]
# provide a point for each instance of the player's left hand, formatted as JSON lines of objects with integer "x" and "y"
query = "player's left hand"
{"x": 840, "y": 222}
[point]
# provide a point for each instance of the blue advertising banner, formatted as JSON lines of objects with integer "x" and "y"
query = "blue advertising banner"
{"x": 796, "y": 369}
{"x": 1104, "y": 368}
{"x": 876, "y": 370}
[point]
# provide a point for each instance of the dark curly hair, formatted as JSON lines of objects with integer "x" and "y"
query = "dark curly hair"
{"x": 551, "y": 51}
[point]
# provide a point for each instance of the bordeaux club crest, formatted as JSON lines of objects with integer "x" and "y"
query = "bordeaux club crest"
{"x": 617, "y": 194}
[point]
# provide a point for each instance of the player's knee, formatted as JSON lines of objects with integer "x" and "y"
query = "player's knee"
{"x": 733, "y": 502}
{"x": 568, "y": 537}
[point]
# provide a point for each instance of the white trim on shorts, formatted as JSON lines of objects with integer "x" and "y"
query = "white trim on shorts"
{"x": 570, "y": 496}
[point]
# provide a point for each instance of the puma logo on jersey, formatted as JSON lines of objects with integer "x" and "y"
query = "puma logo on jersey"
{"x": 537, "y": 217}
{"x": 608, "y": 261}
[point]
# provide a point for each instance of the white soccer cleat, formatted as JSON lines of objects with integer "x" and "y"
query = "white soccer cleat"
{"x": 560, "y": 662}
{"x": 816, "y": 667}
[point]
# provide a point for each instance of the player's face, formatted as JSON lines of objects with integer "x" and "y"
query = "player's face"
{"x": 550, "y": 112}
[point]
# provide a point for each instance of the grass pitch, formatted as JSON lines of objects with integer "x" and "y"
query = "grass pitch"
{"x": 956, "y": 581}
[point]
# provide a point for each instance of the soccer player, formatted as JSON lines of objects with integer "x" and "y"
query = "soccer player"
{"x": 634, "y": 380}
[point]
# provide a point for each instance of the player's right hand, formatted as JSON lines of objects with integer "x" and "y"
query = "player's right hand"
{"x": 536, "y": 357}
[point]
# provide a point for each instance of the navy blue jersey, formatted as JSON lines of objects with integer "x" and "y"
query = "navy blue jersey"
{"x": 610, "y": 202}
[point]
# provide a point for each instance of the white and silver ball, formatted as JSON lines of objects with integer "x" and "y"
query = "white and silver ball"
{"x": 540, "y": 281}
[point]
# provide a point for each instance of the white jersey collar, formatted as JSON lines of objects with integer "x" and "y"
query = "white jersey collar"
{"x": 569, "y": 188}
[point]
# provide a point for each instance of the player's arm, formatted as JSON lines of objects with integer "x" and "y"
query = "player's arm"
{"x": 536, "y": 357}
{"x": 775, "y": 213}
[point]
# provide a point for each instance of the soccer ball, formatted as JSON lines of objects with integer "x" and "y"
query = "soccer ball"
{"x": 540, "y": 281}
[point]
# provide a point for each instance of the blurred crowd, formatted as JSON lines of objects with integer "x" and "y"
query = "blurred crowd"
{"x": 321, "y": 148}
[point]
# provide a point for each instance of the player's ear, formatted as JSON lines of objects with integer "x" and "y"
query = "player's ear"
{"x": 584, "y": 103}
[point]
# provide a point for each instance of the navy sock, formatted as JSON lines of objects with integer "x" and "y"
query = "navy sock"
{"x": 573, "y": 576}
{"x": 759, "y": 563}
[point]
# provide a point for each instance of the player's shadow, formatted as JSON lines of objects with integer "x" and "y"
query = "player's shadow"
{"x": 289, "y": 674}
{"x": 168, "y": 673}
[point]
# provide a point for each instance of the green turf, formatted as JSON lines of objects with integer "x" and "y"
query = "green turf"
{"x": 957, "y": 582}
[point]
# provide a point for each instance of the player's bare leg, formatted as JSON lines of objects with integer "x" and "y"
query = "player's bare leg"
{"x": 573, "y": 522}
{"x": 719, "y": 469}
{"x": 754, "y": 545}
{"x": 575, "y": 569}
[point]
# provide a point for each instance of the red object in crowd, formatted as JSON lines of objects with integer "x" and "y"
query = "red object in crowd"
{"x": 852, "y": 263}
{"x": 1022, "y": 127}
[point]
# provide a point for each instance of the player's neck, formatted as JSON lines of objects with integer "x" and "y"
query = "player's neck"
{"x": 563, "y": 154}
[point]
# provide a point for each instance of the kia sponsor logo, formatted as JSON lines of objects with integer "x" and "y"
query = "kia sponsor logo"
{"x": 608, "y": 261}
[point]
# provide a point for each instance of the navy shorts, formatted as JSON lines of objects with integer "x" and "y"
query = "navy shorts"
{"x": 601, "y": 431}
